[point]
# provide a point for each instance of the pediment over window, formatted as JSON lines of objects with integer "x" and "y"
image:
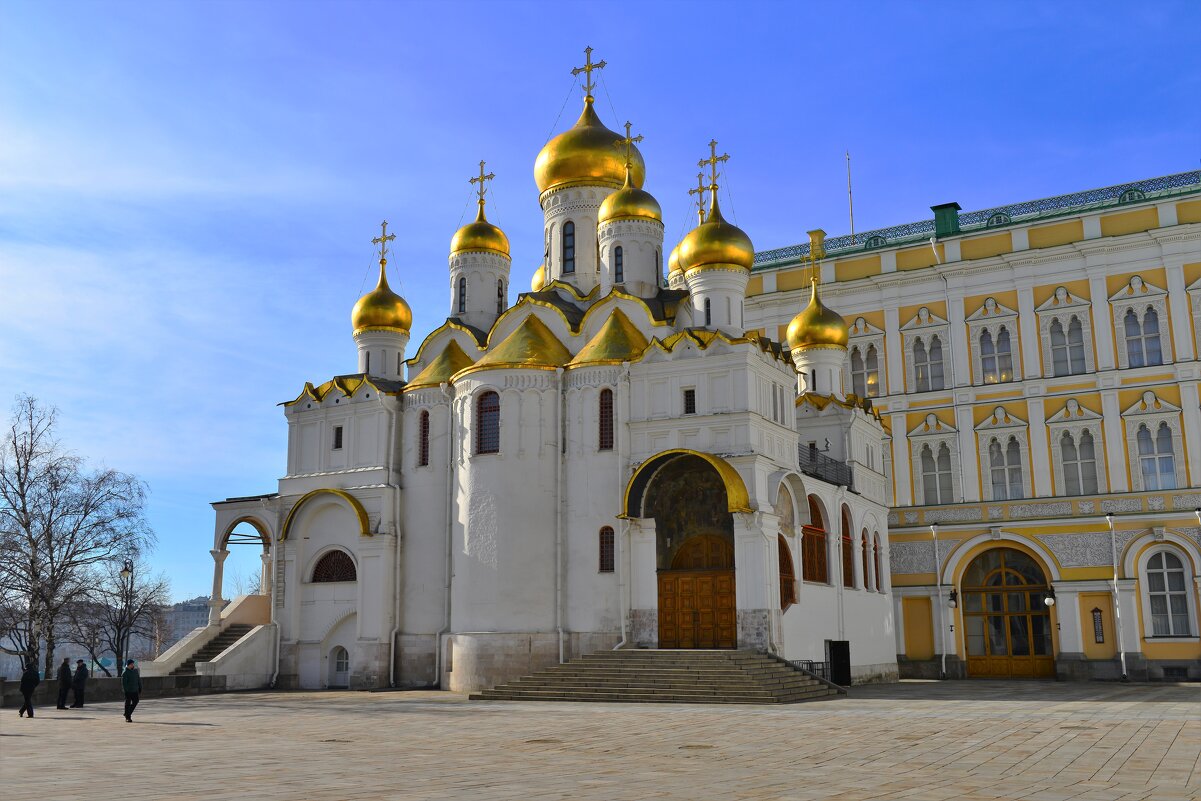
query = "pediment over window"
{"x": 991, "y": 310}
{"x": 1150, "y": 404}
{"x": 1000, "y": 419}
{"x": 1073, "y": 412}
{"x": 923, "y": 319}
{"x": 932, "y": 426}
{"x": 1062, "y": 299}
{"x": 1136, "y": 289}
{"x": 862, "y": 328}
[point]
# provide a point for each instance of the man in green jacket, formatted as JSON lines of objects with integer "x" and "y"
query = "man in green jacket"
{"x": 131, "y": 683}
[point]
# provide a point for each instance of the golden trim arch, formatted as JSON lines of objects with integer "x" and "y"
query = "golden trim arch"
{"x": 360, "y": 512}
{"x": 253, "y": 522}
{"x": 737, "y": 497}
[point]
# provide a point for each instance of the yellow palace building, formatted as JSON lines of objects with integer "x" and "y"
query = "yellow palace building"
{"x": 1036, "y": 366}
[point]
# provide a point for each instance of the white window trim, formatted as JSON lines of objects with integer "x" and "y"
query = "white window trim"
{"x": 1062, "y": 307}
{"x": 925, "y": 326}
{"x": 1075, "y": 419}
{"x": 1138, "y": 295}
{"x": 1002, "y": 425}
{"x": 1194, "y": 296}
{"x": 934, "y": 432}
{"x": 1190, "y": 584}
{"x": 862, "y": 335}
{"x": 1152, "y": 411}
{"x": 992, "y": 317}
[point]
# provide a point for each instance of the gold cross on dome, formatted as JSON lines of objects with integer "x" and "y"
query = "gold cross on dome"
{"x": 481, "y": 179}
{"x": 383, "y": 239}
{"x": 587, "y": 70}
{"x": 700, "y": 194}
{"x": 628, "y": 144}
{"x": 712, "y": 163}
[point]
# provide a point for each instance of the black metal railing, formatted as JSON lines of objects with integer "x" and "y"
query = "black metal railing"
{"x": 813, "y": 462}
{"x": 819, "y": 669}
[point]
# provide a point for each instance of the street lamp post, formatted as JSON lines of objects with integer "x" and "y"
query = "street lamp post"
{"x": 942, "y": 634}
{"x": 1117, "y": 612}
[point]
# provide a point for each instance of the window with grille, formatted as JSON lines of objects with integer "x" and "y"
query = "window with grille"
{"x": 1067, "y": 348}
{"x": 996, "y": 357}
{"x": 423, "y": 439}
{"x": 1005, "y": 467}
{"x": 1143, "y": 346}
{"x": 605, "y": 419}
{"x": 462, "y": 295}
{"x": 1079, "y": 463}
{"x": 337, "y": 438}
{"x": 1166, "y": 589}
{"x": 1098, "y": 625}
{"x": 814, "y": 566}
{"x": 619, "y": 267}
{"x": 607, "y": 550}
{"x": 937, "y": 486}
{"x": 487, "y": 423}
{"x": 690, "y": 401}
{"x": 569, "y": 247}
{"x": 334, "y": 566}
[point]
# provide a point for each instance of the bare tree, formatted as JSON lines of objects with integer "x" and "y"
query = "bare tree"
{"x": 59, "y": 519}
{"x": 125, "y": 600}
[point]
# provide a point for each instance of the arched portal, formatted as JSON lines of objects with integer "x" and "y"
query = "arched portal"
{"x": 1007, "y": 623}
{"x": 687, "y": 497}
{"x": 339, "y": 668}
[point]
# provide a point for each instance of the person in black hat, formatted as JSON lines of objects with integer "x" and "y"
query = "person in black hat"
{"x": 79, "y": 683}
{"x": 29, "y": 682}
{"x": 131, "y": 683}
{"x": 64, "y": 682}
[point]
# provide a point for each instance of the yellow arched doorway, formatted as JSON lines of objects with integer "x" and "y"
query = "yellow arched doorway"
{"x": 1007, "y": 623}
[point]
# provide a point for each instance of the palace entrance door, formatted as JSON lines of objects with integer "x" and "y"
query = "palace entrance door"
{"x": 696, "y": 596}
{"x": 1007, "y": 625}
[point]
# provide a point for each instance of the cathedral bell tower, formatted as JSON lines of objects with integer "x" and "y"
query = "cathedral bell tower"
{"x": 381, "y": 321}
{"x": 479, "y": 266}
{"x": 818, "y": 335}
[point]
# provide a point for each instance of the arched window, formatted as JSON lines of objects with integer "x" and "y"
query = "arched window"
{"x": 936, "y": 475}
{"x": 423, "y": 439}
{"x": 936, "y": 371}
{"x": 1156, "y": 457}
{"x": 500, "y": 296}
{"x": 462, "y": 295}
{"x": 1079, "y": 463}
{"x": 1059, "y": 350}
{"x": 996, "y": 359}
{"x": 872, "y": 372}
{"x": 1168, "y": 595}
{"x": 708, "y": 313}
{"x": 487, "y": 423}
{"x": 858, "y": 373}
{"x": 876, "y": 563}
{"x": 787, "y": 574}
{"x": 867, "y": 576}
{"x": 569, "y": 247}
{"x": 607, "y": 551}
{"x": 619, "y": 267}
{"x": 605, "y": 419}
{"x": 1143, "y": 347}
{"x": 334, "y": 566}
{"x": 813, "y": 546}
{"x": 848, "y": 550}
{"x": 921, "y": 365}
{"x": 1067, "y": 349}
{"x": 1005, "y": 466}
{"x": 1076, "y": 346}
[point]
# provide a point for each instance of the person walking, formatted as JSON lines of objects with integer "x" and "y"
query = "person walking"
{"x": 29, "y": 682}
{"x": 79, "y": 683}
{"x": 64, "y": 682}
{"x": 131, "y": 683}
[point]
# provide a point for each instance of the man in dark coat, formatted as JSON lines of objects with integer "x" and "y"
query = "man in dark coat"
{"x": 64, "y": 682}
{"x": 29, "y": 682}
{"x": 79, "y": 683}
{"x": 131, "y": 683}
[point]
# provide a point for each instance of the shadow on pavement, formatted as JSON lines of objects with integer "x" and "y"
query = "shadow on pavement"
{"x": 1038, "y": 691}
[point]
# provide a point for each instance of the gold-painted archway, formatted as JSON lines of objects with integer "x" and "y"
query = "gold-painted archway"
{"x": 253, "y": 522}
{"x": 360, "y": 512}
{"x": 737, "y": 497}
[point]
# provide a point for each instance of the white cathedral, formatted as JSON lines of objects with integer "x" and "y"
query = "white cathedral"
{"x": 611, "y": 462}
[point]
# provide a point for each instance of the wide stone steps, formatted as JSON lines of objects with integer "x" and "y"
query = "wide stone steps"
{"x": 212, "y": 649}
{"x": 646, "y": 676}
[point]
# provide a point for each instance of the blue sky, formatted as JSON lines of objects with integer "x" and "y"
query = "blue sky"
{"x": 188, "y": 190}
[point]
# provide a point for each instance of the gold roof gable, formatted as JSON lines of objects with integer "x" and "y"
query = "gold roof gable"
{"x": 451, "y": 360}
{"x": 617, "y": 341}
{"x": 531, "y": 346}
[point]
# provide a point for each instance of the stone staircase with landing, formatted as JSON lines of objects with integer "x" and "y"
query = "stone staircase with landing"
{"x": 668, "y": 676}
{"x": 212, "y": 649}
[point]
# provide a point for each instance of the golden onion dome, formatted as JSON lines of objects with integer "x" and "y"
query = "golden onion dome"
{"x": 480, "y": 235}
{"x": 381, "y": 309}
{"x": 716, "y": 242}
{"x": 629, "y": 203}
{"x": 539, "y": 279}
{"x": 587, "y": 155}
{"x": 673, "y": 261}
{"x": 817, "y": 325}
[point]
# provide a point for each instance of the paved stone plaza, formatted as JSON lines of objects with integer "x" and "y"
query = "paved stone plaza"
{"x": 956, "y": 740}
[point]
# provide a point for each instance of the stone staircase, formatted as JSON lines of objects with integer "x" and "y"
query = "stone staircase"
{"x": 212, "y": 649}
{"x": 645, "y": 676}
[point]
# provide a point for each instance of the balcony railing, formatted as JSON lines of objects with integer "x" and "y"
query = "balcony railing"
{"x": 813, "y": 462}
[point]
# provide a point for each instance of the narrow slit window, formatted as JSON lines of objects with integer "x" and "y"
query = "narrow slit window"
{"x": 569, "y": 247}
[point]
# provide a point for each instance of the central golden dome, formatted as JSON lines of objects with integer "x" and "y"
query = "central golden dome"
{"x": 381, "y": 309}
{"x": 716, "y": 242}
{"x": 587, "y": 154}
{"x": 480, "y": 235}
{"x": 817, "y": 325}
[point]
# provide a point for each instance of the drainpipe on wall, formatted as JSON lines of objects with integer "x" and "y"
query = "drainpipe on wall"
{"x": 1117, "y": 610}
{"x": 275, "y": 546}
{"x": 938, "y": 599}
{"x": 623, "y": 524}
{"x": 398, "y": 589}
{"x": 448, "y": 392}
{"x": 560, "y": 444}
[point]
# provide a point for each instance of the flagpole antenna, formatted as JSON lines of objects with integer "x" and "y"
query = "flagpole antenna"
{"x": 850, "y": 198}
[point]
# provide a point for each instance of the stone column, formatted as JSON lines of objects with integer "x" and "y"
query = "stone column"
{"x": 969, "y": 456}
{"x": 1067, "y": 615}
{"x": 752, "y": 567}
{"x": 1191, "y": 413}
{"x": 901, "y": 461}
{"x": 265, "y": 575}
{"x": 644, "y": 585}
{"x": 1179, "y": 308}
{"x": 1102, "y": 322}
{"x": 893, "y": 352}
{"x": 1115, "y": 442}
{"x": 1028, "y": 327}
{"x": 215, "y": 599}
{"x": 957, "y": 333}
{"x": 1040, "y": 461}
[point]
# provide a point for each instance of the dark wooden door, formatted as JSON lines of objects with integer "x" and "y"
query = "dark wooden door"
{"x": 697, "y": 609}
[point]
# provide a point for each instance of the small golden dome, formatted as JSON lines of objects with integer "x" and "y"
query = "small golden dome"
{"x": 480, "y": 235}
{"x": 629, "y": 203}
{"x": 539, "y": 279}
{"x": 715, "y": 242}
{"x": 381, "y": 309}
{"x": 817, "y": 325}
{"x": 673, "y": 261}
{"x": 586, "y": 155}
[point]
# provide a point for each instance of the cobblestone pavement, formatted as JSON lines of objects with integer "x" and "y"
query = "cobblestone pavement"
{"x": 914, "y": 740}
